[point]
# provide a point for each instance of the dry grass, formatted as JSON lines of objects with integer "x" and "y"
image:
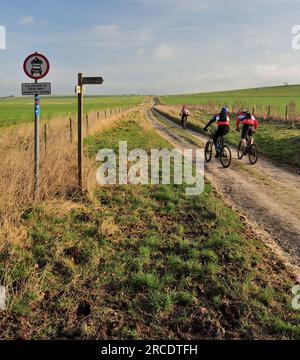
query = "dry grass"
{"x": 57, "y": 170}
{"x": 138, "y": 262}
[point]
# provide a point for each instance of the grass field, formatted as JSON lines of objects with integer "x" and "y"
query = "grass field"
{"x": 142, "y": 262}
{"x": 277, "y": 97}
{"x": 20, "y": 110}
{"x": 278, "y": 142}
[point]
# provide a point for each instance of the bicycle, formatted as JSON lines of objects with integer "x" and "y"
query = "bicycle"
{"x": 184, "y": 119}
{"x": 251, "y": 149}
{"x": 225, "y": 152}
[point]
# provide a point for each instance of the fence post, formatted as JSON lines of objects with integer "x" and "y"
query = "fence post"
{"x": 98, "y": 115}
{"x": 269, "y": 112}
{"x": 45, "y": 136}
{"x": 286, "y": 112}
{"x": 71, "y": 130}
{"x": 27, "y": 144}
{"x": 87, "y": 124}
{"x": 253, "y": 110}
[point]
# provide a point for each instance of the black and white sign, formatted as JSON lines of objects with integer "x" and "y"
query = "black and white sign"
{"x": 36, "y": 89}
{"x": 36, "y": 66}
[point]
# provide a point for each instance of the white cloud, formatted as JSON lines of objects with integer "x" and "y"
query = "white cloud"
{"x": 140, "y": 51}
{"x": 166, "y": 51}
{"x": 197, "y": 6}
{"x": 263, "y": 40}
{"x": 27, "y": 20}
{"x": 107, "y": 31}
{"x": 266, "y": 71}
{"x": 115, "y": 36}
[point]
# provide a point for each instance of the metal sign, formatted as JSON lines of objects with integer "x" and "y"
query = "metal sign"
{"x": 92, "y": 81}
{"x": 36, "y": 89}
{"x": 36, "y": 66}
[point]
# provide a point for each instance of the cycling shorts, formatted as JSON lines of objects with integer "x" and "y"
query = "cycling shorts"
{"x": 247, "y": 130}
{"x": 221, "y": 131}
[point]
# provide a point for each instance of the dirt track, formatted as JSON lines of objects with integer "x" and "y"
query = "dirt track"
{"x": 266, "y": 196}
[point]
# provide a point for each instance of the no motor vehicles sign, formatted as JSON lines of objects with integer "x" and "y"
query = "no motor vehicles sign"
{"x": 36, "y": 66}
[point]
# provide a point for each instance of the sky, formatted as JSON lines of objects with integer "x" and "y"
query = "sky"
{"x": 152, "y": 46}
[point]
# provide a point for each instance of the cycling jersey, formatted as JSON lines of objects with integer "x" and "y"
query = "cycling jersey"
{"x": 222, "y": 119}
{"x": 242, "y": 119}
{"x": 184, "y": 112}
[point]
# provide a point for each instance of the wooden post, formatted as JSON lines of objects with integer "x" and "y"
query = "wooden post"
{"x": 27, "y": 144}
{"x": 269, "y": 112}
{"x": 286, "y": 112}
{"x": 98, "y": 115}
{"x": 87, "y": 124}
{"x": 80, "y": 135}
{"x": 45, "y": 136}
{"x": 253, "y": 110}
{"x": 71, "y": 131}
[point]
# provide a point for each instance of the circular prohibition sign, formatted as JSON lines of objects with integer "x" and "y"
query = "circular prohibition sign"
{"x": 36, "y": 66}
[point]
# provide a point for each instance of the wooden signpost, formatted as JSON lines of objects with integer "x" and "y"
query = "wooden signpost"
{"x": 80, "y": 91}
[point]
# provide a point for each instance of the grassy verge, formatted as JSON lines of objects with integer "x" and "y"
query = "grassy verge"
{"x": 142, "y": 262}
{"x": 278, "y": 142}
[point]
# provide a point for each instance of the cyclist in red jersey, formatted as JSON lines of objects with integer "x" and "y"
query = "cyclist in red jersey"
{"x": 250, "y": 124}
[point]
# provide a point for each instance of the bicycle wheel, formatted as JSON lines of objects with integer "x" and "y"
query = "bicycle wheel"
{"x": 253, "y": 154}
{"x": 225, "y": 156}
{"x": 208, "y": 151}
{"x": 240, "y": 152}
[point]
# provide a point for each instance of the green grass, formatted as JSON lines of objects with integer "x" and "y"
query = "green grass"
{"x": 280, "y": 142}
{"x": 127, "y": 266}
{"x": 20, "y": 110}
{"x": 278, "y": 97}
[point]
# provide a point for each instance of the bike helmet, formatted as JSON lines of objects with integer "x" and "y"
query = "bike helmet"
{"x": 224, "y": 110}
{"x": 248, "y": 115}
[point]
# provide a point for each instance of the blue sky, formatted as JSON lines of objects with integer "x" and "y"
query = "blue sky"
{"x": 151, "y": 46}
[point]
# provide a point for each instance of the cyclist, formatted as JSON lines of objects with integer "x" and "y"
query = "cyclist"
{"x": 250, "y": 124}
{"x": 184, "y": 114}
{"x": 223, "y": 122}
